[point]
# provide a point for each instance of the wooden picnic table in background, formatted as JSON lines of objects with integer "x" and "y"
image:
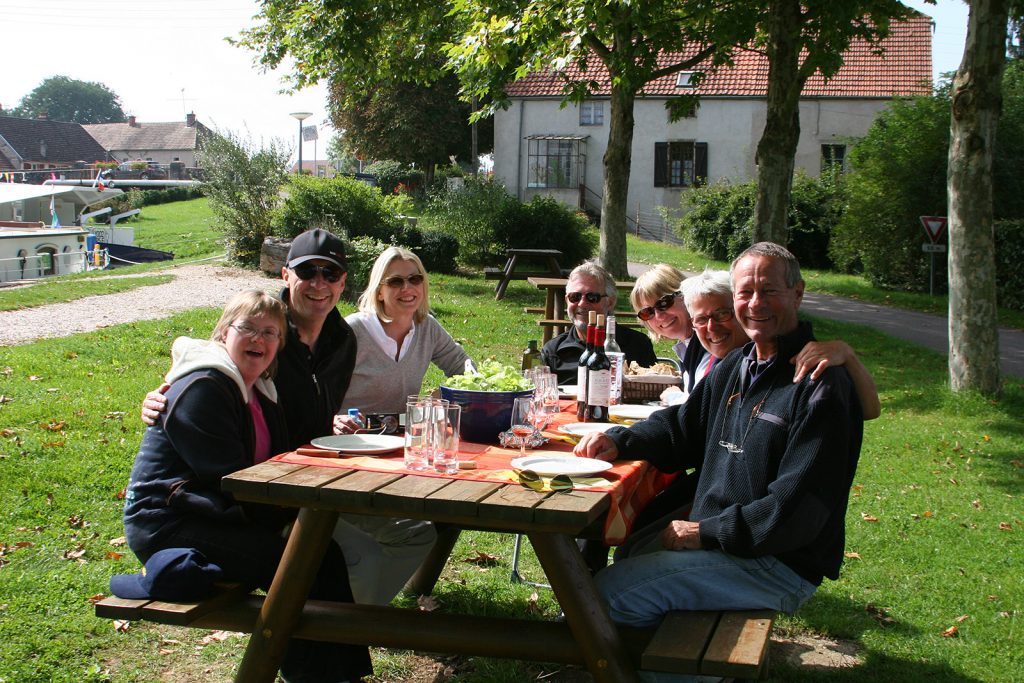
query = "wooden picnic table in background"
{"x": 517, "y": 257}
{"x": 554, "y": 319}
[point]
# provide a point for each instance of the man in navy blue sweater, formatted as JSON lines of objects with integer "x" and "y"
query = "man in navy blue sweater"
{"x": 776, "y": 461}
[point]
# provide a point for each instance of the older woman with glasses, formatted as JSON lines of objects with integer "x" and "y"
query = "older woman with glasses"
{"x": 397, "y": 339}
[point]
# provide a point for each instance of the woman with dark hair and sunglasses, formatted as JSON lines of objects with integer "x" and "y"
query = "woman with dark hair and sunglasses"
{"x": 591, "y": 288}
{"x": 396, "y": 341}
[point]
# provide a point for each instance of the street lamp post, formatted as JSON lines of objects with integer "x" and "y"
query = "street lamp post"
{"x": 301, "y": 116}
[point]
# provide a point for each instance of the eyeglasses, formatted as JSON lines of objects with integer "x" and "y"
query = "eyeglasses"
{"x": 662, "y": 304}
{"x": 592, "y": 297}
{"x": 267, "y": 334}
{"x": 397, "y": 281}
{"x": 720, "y": 316}
{"x": 308, "y": 271}
{"x": 535, "y": 482}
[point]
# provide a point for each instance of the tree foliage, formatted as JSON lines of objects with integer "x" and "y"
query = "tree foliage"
{"x": 898, "y": 173}
{"x": 66, "y": 99}
{"x": 415, "y": 123}
{"x": 243, "y": 183}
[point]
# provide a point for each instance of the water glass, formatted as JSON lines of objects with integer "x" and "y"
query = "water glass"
{"x": 446, "y": 455}
{"x": 418, "y": 442}
{"x": 522, "y": 425}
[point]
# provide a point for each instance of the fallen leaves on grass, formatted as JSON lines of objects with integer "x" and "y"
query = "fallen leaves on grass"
{"x": 1019, "y": 464}
{"x": 122, "y": 625}
{"x": 217, "y": 636}
{"x": 117, "y": 542}
{"x": 427, "y": 603}
{"x": 962, "y": 618}
{"x": 54, "y": 425}
{"x": 6, "y": 432}
{"x": 75, "y": 553}
{"x": 950, "y": 632}
{"x": 868, "y": 518}
{"x": 114, "y": 555}
{"x": 879, "y": 614}
{"x": 852, "y": 555}
{"x": 532, "y": 605}
{"x": 77, "y": 522}
{"x": 1005, "y": 526}
{"x": 482, "y": 559}
{"x": 96, "y": 598}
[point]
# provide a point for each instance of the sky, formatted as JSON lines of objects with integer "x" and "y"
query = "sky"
{"x": 166, "y": 58}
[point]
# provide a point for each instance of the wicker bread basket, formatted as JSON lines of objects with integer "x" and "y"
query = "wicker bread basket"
{"x": 640, "y": 388}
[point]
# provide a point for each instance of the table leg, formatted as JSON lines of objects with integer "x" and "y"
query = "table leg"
{"x": 510, "y": 268}
{"x": 559, "y": 312}
{"x": 584, "y": 609}
{"x": 422, "y": 582}
{"x": 300, "y": 562}
{"x": 549, "y": 312}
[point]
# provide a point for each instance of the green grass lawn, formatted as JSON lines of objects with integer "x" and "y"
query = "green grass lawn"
{"x": 935, "y": 529}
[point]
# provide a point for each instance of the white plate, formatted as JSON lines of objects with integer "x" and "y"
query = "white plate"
{"x": 360, "y": 443}
{"x": 631, "y": 411}
{"x": 551, "y": 465}
{"x": 581, "y": 428}
{"x": 568, "y": 389}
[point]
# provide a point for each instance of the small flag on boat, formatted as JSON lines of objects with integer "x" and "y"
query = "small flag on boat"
{"x": 55, "y": 222}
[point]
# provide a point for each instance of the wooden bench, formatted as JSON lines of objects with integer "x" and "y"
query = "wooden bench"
{"x": 729, "y": 644}
{"x": 516, "y": 257}
{"x": 173, "y": 613}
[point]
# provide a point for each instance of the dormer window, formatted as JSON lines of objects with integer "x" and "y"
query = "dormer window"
{"x": 686, "y": 79}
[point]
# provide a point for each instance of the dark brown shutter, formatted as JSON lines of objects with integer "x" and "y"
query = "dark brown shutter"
{"x": 660, "y": 164}
{"x": 700, "y": 163}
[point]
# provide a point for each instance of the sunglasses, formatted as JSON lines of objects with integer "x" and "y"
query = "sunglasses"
{"x": 308, "y": 271}
{"x": 535, "y": 482}
{"x": 397, "y": 281}
{"x": 662, "y": 304}
{"x": 720, "y": 316}
{"x": 591, "y": 297}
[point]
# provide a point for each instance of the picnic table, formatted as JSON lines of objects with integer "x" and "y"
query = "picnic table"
{"x": 550, "y": 520}
{"x": 553, "y": 318}
{"x": 517, "y": 257}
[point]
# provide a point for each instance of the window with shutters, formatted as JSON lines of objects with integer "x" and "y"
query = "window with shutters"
{"x": 555, "y": 161}
{"x": 682, "y": 163}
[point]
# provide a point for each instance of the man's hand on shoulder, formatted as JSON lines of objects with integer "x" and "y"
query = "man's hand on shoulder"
{"x": 154, "y": 404}
{"x": 681, "y": 534}
{"x": 598, "y": 446}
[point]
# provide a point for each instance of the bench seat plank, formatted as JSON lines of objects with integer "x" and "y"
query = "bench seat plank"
{"x": 171, "y": 613}
{"x": 679, "y": 644}
{"x": 739, "y": 647}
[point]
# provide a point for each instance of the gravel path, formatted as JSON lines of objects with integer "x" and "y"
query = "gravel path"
{"x": 193, "y": 286}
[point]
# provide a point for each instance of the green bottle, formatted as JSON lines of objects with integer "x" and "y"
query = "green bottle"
{"x": 531, "y": 356}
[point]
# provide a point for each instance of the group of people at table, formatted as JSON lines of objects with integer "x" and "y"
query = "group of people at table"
{"x": 771, "y": 427}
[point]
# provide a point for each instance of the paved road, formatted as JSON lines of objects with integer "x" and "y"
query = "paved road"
{"x": 930, "y": 331}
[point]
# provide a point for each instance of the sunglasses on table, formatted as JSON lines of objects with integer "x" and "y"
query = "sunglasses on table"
{"x": 591, "y": 297}
{"x": 397, "y": 281}
{"x": 535, "y": 482}
{"x": 308, "y": 271}
{"x": 720, "y": 316}
{"x": 662, "y": 304}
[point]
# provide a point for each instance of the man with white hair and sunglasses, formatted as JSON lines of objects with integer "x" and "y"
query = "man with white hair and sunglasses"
{"x": 591, "y": 288}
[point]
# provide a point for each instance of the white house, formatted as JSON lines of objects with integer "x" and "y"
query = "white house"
{"x": 167, "y": 142}
{"x": 542, "y": 148}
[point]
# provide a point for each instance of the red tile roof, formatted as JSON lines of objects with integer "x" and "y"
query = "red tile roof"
{"x": 905, "y": 68}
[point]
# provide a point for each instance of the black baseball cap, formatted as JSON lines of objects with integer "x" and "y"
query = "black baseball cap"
{"x": 317, "y": 244}
{"x": 171, "y": 574}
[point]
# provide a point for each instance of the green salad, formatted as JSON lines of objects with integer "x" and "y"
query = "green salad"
{"x": 490, "y": 376}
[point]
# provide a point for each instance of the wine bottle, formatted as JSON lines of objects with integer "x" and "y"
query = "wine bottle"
{"x": 531, "y": 356}
{"x": 598, "y": 378}
{"x": 581, "y": 371}
{"x": 617, "y": 358}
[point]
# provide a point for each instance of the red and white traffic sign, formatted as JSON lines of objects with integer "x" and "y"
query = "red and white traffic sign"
{"x": 935, "y": 226}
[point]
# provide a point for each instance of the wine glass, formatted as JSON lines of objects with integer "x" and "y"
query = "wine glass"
{"x": 522, "y": 421}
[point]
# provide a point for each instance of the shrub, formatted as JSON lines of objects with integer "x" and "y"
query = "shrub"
{"x": 486, "y": 220}
{"x": 1009, "y": 256}
{"x": 342, "y": 205}
{"x": 719, "y": 218}
{"x": 391, "y": 173}
{"x": 242, "y": 182}
{"x": 438, "y": 251}
{"x": 361, "y": 253}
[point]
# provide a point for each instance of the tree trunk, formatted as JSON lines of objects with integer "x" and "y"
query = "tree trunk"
{"x": 777, "y": 148}
{"x": 615, "y": 188}
{"x": 977, "y": 100}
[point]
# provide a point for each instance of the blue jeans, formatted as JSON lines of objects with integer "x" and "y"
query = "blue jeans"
{"x": 643, "y": 587}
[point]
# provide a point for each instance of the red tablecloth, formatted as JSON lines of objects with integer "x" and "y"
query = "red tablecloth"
{"x": 631, "y": 483}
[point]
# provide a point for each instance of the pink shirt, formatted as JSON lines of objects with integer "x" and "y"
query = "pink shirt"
{"x": 259, "y": 423}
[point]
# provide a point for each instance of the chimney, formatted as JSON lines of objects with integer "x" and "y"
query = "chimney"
{"x": 190, "y": 120}
{"x": 131, "y": 121}
{"x": 43, "y": 115}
